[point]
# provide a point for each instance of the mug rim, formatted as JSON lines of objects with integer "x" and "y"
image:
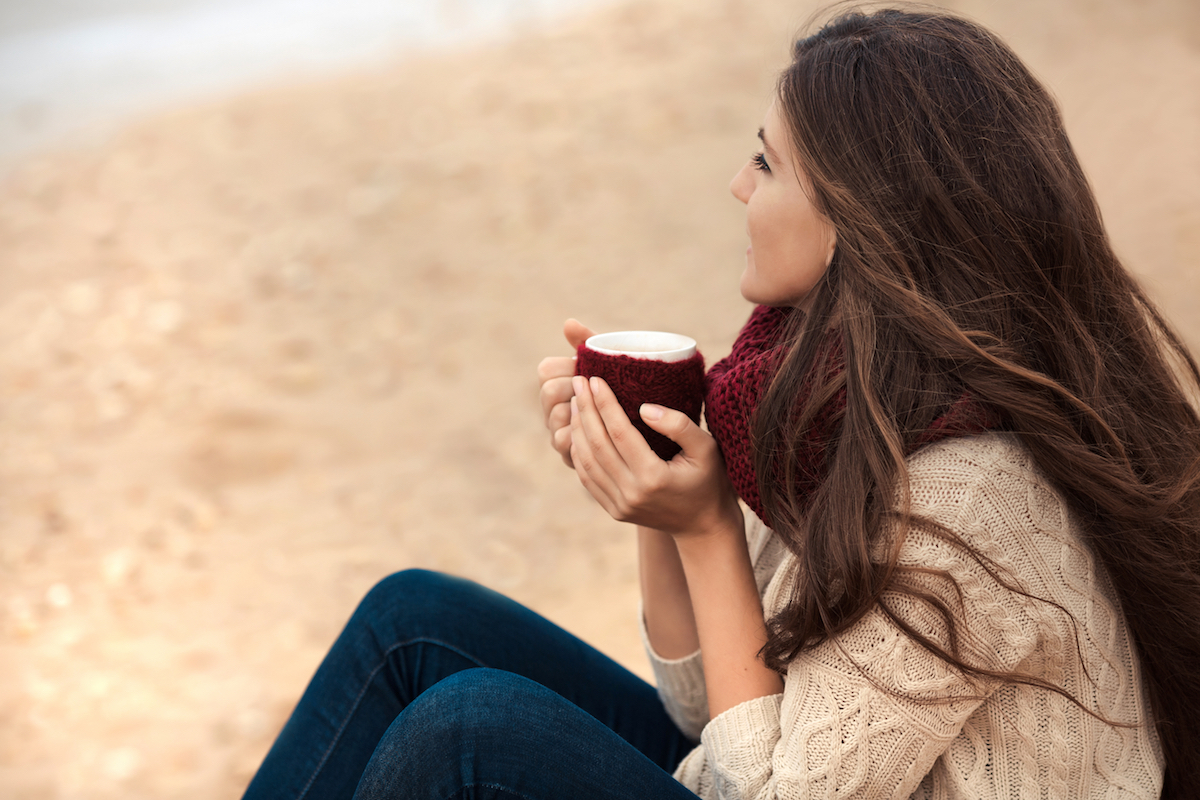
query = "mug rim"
{"x": 675, "y": 346}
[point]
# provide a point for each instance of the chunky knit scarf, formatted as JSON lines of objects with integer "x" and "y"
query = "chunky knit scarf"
{"x": 733, "y": 386}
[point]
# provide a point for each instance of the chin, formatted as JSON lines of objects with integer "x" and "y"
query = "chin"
{"x": 760, "y": 298}
{"x": 751, "y": 292}
{"x": 753, "y": 297}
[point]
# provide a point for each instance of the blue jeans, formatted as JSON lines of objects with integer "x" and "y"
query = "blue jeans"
{"x": 439, "y": 688}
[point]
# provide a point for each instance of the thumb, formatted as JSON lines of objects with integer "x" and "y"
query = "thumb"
{"x": 675, "y": 425}
{"x": 576, "y": 332}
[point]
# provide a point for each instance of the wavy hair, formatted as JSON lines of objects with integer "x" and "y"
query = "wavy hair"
{"x": 971, "y": 256}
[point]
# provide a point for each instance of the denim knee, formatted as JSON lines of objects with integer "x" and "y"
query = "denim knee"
{"x": 414, "y": 594}
{"x": 474, "y": 703}
{"x": 401, "y": 588}
{"x": 440, "y": 736}
{"x": 505, "y": 736}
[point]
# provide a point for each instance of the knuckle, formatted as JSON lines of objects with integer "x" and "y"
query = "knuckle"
{"x": 555, "y": 367}
{"x": 553, "y": 391}
{"x": 558, "y": 417}
{"x": 633, "y": 498}
{"x": 543, "y": 370}
{"x": 562, "y": 440}
{"x": 653, "y": 484}
{"x": 556, "y": 390}
{"x": 623, "y": 510}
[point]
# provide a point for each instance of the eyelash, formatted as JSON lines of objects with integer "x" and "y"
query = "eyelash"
{"x": 760, "y": 162}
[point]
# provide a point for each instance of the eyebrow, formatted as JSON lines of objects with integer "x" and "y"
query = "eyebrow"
{"x": 762, "y": 135}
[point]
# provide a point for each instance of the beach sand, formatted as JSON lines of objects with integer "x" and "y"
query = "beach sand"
{"x": 258, "y": 354}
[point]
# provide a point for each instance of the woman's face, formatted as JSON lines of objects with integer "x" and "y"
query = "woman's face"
{"x": 791, "y": 243}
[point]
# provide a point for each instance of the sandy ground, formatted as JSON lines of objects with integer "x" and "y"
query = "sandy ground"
{"x": 256, "y": 355}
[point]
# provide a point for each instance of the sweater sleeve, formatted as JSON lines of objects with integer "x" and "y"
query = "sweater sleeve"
{"x": 866, "y": 715}
{"x": 681, "y": 688}
{"x": 680, "y": 682}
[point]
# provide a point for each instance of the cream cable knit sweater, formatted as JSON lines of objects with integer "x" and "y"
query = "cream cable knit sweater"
{"x": 832, "y": 734}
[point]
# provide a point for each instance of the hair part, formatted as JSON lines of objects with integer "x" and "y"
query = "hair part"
{"x": 971, "y": 256}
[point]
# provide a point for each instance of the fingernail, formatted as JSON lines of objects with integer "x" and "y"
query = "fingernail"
{"x": 651, "y": 411}
{"x": 577, "y": 383}
{"x": 594, "y": 383}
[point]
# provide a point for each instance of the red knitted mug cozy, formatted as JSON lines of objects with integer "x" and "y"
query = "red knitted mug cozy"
{"x": 674, "y": 384}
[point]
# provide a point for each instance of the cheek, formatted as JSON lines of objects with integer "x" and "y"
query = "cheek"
{"x": 761, "y": 226}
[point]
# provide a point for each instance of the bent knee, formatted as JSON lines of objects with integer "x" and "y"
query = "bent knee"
{"x": 476, "y": 705}
{"x": 409, "y": 590}
{"x": 453, "y": 735}
{"x": 404, "y": 583}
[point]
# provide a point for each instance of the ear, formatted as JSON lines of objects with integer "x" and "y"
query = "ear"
{"x": 832, "y": 244}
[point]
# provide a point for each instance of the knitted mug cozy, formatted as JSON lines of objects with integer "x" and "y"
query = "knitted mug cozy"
{"x": 674, "y": 384}
{"x": 734, "y": 384}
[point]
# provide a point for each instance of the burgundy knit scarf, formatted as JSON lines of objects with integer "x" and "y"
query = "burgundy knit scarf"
{"x": 733, "y": 386}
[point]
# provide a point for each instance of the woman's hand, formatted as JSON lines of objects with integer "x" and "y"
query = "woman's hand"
{"x": 689, "y": 495}
{"x": 555, "y": 375}
{"x": 691, "y": 499}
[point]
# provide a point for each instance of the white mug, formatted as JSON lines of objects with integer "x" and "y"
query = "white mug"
{"x": 650, "y": 345}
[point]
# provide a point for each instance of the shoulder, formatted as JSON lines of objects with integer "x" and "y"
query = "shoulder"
{"x": 976, "y": 462}
{"x": 988, "y": 491}
{"x": 972, "y": 453}
{"x": 989, "y": 480}
{"x": 988, "y": 494}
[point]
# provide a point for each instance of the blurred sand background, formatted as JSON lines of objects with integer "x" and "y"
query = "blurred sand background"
{"x": 258, "y": 353}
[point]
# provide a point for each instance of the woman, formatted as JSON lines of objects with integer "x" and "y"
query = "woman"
{"x": 971, "y": 566}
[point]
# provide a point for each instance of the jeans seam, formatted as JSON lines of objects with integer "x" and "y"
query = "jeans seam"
{"x": 358, "y": 700}
{"x": 487, "y": 785}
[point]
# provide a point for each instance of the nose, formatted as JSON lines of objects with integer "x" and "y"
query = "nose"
{"x": 742, "y": 184}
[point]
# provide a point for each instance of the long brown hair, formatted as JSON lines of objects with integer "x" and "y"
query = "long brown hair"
{"x": 971, "y": 256}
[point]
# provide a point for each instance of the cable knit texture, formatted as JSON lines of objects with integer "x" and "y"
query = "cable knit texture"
{"x": 874, "y": 715}
{"x": 674, "y": 384}
{"x": 733, "y": 386}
